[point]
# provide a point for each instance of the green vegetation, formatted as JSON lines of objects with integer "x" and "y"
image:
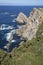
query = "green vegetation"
{"x": 29, "y": 53}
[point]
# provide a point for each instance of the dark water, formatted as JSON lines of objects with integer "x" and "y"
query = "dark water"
{"x": 6, "y": 18}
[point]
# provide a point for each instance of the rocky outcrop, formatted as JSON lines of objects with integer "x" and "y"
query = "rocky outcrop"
{"x": 21, "y": 19}
{"x": 32, "y": 22}
{"x": 36, "y": 14}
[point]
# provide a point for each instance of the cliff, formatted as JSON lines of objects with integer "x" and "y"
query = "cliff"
{"x": 28, "y": 31}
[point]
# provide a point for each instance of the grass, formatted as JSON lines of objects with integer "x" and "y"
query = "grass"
{"x": 29, "y": 53}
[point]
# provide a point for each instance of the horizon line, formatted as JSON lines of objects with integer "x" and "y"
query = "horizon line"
{"x": 18, "y": 5}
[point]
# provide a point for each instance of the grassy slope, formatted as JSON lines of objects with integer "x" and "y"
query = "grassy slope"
{"x": 29, "y": 53}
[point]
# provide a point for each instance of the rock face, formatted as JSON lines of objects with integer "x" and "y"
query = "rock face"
{"x": 21, "y": 19}
{"x": 32, "y": 22}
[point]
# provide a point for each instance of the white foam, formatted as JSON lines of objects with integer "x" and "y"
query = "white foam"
{"x": 10, "y": 27}
{"x": 2, "y": 28}
{"x": 13, "y": 20}
{"x": 6, "y": 13}
{"x": 8, "y": 35}
{"x": 5, "y": 27}
{"x": 12, "y": 15}
{"x": 13, "y": 41}
{"x": 5, "y": 47}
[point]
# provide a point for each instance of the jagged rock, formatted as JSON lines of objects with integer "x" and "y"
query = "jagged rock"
{"x": 35, "y": 15}
{"x": 33, "y": 21}
{"x": 21, "y": 19}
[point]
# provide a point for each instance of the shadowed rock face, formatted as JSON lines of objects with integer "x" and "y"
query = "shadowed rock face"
{"x": 32, "y": 22}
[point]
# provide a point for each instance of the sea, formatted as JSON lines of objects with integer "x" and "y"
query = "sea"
{"x": 8, "y": 14}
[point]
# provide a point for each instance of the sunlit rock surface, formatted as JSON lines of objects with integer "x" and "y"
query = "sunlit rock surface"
{"x": 22, "y": 18}
{"x": 33, "y": 21}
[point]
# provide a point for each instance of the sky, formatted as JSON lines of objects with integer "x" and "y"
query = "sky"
{"x": 21, "y": 2}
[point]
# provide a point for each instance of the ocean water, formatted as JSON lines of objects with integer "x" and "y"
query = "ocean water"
{"x": 7, "y": 18}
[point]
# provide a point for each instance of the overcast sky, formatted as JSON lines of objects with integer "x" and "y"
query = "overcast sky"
{"x": 21, "y": 2}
